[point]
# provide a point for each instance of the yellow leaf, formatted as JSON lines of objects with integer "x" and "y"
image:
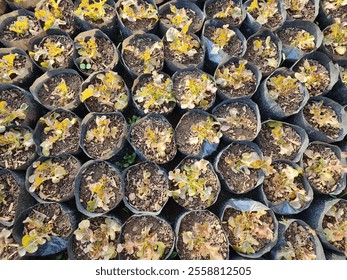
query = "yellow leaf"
{"x": 87, "y": 93}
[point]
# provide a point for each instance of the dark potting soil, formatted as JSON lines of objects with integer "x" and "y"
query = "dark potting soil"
{"x": 239, "y": 182}
{"x": 300, "y": 239}
{"x": 215, "y": 238}
{"x": 327, "y": 129}
{"x": 68, "y": 145}
{"x": 211, "y": 181}
{"x": 65, "y": 42}
{"x": 79, "y": 246}
{"x": 110, "y": 145}
{"x": 91, "y": 175}
{"x": 273, "y": 22}
{"x": 157, "y": 126}
{"x": 14, "y": 99}
{"x": 19, "y": 66}
{"x": 103, "y": 61}
{"x": 196, "y": 20}
{"x": 242, "y": 89}
{"x": 9, "y": 35}
{"x": 55, "y": 215}
{"x": 15, "y": 157}
{"x": 46, "y": 96}
{"x": 338, "y": 222}
{"x": 273, "y": 188}
{"x": 9, "y": 196}
{"x": 217, "y": 6}
{"x": 328, "y": 157}
{"x": 321, "y": 75}
{"x": 270, "y": 146}
{"x": 146, "y": 187}
{"x": 163, "y": 108}
{"x": 307, "y": 13}
{"x": 184, "y": 133}
{"x": 234, "y": 46}
{"x": 266, "y": 221}
{"x": 138, "y": 65}
{"x": 180, "y": 89}
{"x": 49, "y": 191}
{"x": 238, "y": 121}
{"x": 289, "y": 101}
{"x": 133, "y": 228}
{"x": 144, "y": 24}
{"x": 288, "y": 35}
{"x": 10, "y": 250}
{"x": 184, "y": 58}
{"x": 107, "y": 19}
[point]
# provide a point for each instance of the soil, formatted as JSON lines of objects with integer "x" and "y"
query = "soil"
{"x": 138, "y": 140}
{"x": 14, "y": 99}
{"x": 73, "y": 82}
{"x": 184, "y": 133}
{"x": 328, "y": 130}
{"x": 65, "y": 187}
{"x": 9, "y": 35}
{"x": 109, "y": 146}
{"x": 70, "y": 144}
{"x": 341, "y": 208}
{"x": 67, "y": 54}
{"x": 66, "y": 15}
{"x": 211, "y": 181}
{"x": 143, "y": 24}
{"x": 273, "y": 189}
{"x": 323, "y": 77}
{"x": 291, "y": 101}
{"x": 136, "y": 224}
{"x": 19, "y": 64}
{"x": 218, "y": 6}
{"x": 62, "y": 224}
{"x": 307, "y": 13}
{"x": 245, "y": 90}
{"x": 273, "y": 22}
{"x": 237, "y": 182}
{"x": 148, "y": 195}
{"x": 216, "y": 238}
{"x": 164, "y": 108}
{"x": 180, "y": 90}
{"x": 17, "y": 157}
{"x": 79, "y": 247}
{"x": 107, "y": 19}
{"x": 234, "y": 46}
{"x": 196, "y": 20}
{"x": 245, "y": 125}
{"x": 10, "y": 191}
{"x": 261, "y": 62}
{"x": 138, "y": 65}
{"x": 288, "y": 35}
{"x": 96, "y": 105}
{"x": 92, "y": 174}
{"x": 184, "y": 59}
{"x": 266, "y": 220}
{"x": 269, "y": 145}
{"x": 10, "y": 252}
{"x": 326, "y": 155}
{"x": 301, "y": 239}
{"x": 103, "y": 61}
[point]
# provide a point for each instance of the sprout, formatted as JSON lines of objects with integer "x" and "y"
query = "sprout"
{"x": 51, "y": 13}
{"x": 303, "y": 40}
{"x": 335, "y": 36}
{"x": 178, "y": 17}
{"x": 264, "y": 10}
{"x": 231, "y": 10}
{"x": 267, "y": 50}
{"x": 344, "y": 76}
{"x": 23, "y": 26}
{"x": 102, "y": 131}
{"x": 207, "y": 130}
{"x": 158, "y": 140}
{"x": 281, "y": 85}
{"x": 322, "y": 115}
{"x": 8, "y": 246}
{"x": 16, "y": 139}
{"x": 333, "y": 5}
{"x": 221, "y": 38}
{"x": 63, "y": 93}
{"x": 92, "y": 9}
{"x": 8, "y": 70}
{"x": 295, "y": 6}
{"x": 87, "y": 50}
{"x": 8, "y": 115}
{"x": 132, "y": 11}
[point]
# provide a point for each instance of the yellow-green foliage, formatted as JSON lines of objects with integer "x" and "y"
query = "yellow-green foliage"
{"x": 266, "y": 50}
{"x": 303, "y": 40}
{"x": 221, "y": 38}
{"x": 155, "y": 94}
{"x": 46, "y": 171}
{"x": 344, "y": 76}
{"x": 335, "y": 36}
{"x": 157, "y": 140}
{"x": 208, "y": 130}
{"x": 234, "y": 76}
{"x": 8, "y": 115}
{"x": 51, "y": 14}
{"x": 16, "y": 139}
{"x": 323, "y": 115}
{"x": 199, "y": 241}
{"x": 8, "y": 247}
{"x": 178, "y": 17}
{"x": 263, "y": 10}
{"x": 281, "y": 85}
{"x": 99, "y": 243}
{"x": 8, "y": 71}
{"x": 231, "y": 10}
{"x": 60, "y": 130}
{"x": 190, "y": 182}
{"x": 63, "y": 93}
{"x": 109, "y": 90}
{"x": 92, "y": 9}
{"x": 145, "y": 245}
{"x": 87, "y": 51}
{"x": 295, "y": 5}
{"x": 21, "y": 26}
{"x": 309, "y": 75}
{"x": 333, "y": 5}
{"x": 102, "y": 130}
{"x": 132, "y": 11}
{"x": 101, "y": 194}
{"x": 247, "y": 229}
